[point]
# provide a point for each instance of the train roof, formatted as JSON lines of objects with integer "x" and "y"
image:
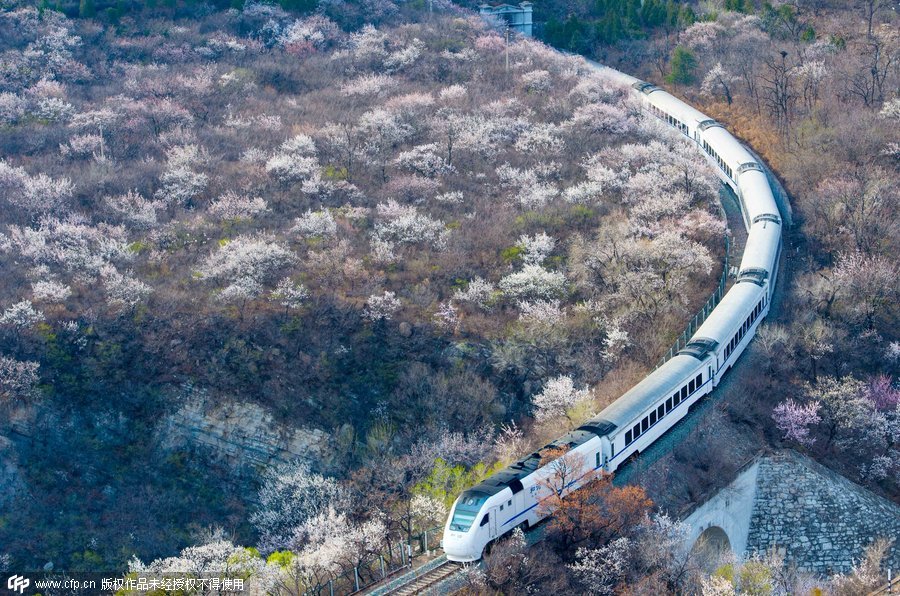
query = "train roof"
{"x": 762, "y": 246}
{"x": 636, "y": 400}
{"x": 675, "y": 107}
{"x": 757, "y": 193}
{"x": 730, "y": 313}
{"x": 728, "y": 147}
{"x": 511, "y": 476}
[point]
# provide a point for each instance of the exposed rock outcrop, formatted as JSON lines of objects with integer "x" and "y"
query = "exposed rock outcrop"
{"x": 243, "y": 434}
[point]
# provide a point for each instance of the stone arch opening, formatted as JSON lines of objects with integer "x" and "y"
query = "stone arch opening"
{"x": 712, "y": 548}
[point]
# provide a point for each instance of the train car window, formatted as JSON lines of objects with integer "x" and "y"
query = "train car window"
{"x": 684, "y": 392}
{"x": 653, "y": 417}
{"x": 627, "y": 437}
{"x": 669, "y": 403}
{"x": 485, "y": 519}
{"x": 645, "y": 424}
{"x": 597, "y": 460}
{"x": 661, "y": 411}
{"x": 691, "y": 386}
{"x": 509, "y": 503}
{"x": 699, "y": 379}
{"x": 636, "y": 432}
{"x": 501, "y": 506}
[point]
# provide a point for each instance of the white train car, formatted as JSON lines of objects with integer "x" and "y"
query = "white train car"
{"x": 513, "y": 496}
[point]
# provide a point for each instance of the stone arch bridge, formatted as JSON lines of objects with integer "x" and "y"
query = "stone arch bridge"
{"x": 818, "y": 519}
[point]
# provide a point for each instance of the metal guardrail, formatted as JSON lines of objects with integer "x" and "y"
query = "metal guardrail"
{"x": 410, "y": 577}
{"x": 398, "y": 557}
{"x": 704, "y": 312}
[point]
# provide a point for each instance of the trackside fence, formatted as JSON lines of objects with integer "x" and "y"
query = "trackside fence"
{"x": 405, "y": 579}
{"x": 891, "y": 587}
{"x": 698, "y": 318}
{"x": 377, "y": 568}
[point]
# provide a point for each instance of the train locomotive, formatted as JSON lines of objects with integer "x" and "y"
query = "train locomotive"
{"x": 511, "y": 497}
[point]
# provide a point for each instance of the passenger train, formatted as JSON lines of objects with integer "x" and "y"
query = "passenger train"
{"x": 510, "y": 498}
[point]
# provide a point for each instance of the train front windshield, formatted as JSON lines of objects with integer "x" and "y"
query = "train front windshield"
{"x": 466, "y": 509}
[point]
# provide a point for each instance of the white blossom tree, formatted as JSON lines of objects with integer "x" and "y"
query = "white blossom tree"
{"x": 719, "y": 82}
{"x": 254, "y": 257}
{"x": 233, "y": 206}
{"x": 477, "y": 291}
{"x": 843, "y": 406}
{"x": 134, "y": 209}
{"x": 557, "y": 398}
{"x": 536, "y": 249}
{"x": 50, "y": 291}
{"x": 427, "y": 511}
{"x": 533, "y": 282}
{"x": 180, "y": 183}
{"x": 600, "y": 570}
{"x": 315, "y": 224}
{"x": 17, "y": 378}
{"x": 216, "y": 556}
{"x": 289, "y": 294}
{"x": 35, "y": 195}
{"x": 295, "y": 161}
{"x": 403, "y": 224}
{"x": 424, "y": 160}
{"x": 330, "y": 540}
{"x": 381, "y": 307}
{"x": 289, "y": 496}
{"x": 446, "y": 317}
{"x": 123, "y": 290}
{"x": 21, "y": 315}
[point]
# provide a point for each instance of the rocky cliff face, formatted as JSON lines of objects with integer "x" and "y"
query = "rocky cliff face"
{"x": 10, "y": 481}
{"x": 17, "y": 427}
{"x": 243, "y": 434}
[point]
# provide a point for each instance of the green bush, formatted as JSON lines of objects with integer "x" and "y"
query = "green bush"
{"x": 683, "y": 66}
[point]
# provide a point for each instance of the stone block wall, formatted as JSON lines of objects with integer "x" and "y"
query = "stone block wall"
{"x": 819, "y": 519}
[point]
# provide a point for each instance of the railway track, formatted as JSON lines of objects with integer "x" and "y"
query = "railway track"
{"x": 422, "y": 583}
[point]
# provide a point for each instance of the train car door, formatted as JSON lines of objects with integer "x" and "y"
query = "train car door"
{"x": 492, "y": 522}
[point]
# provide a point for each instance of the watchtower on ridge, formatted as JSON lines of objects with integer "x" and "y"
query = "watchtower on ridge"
{"x": 516, "y": 17}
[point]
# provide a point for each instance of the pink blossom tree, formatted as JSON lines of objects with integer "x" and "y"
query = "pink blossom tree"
{"x": 794, "y": 420}
{"x": 882, "y": 392}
